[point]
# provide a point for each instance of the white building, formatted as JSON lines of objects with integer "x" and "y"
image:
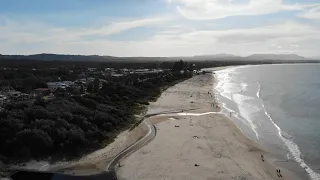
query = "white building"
{"x": 3, "y": 98}
{"x": 68, "y": 83}
{"x": 55, "y": 85}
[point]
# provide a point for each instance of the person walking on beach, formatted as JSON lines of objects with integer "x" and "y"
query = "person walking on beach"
{"x": 279, "y": 173}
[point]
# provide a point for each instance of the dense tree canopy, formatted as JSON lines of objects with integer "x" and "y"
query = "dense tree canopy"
{"x": 74, "y": 124}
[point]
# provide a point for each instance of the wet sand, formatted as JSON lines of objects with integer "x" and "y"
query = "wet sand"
{"x": 206, "y": 147}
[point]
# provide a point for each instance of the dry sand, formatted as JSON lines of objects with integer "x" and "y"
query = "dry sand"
{"x": 188, "y": 95}
{"x": 208, "y": 147}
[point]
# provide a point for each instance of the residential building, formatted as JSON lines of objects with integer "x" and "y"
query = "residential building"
{"x": 55, "y": 85}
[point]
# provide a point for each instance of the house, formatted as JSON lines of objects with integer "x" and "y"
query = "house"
{"x": 90, "y": 79}
{"x": 108, "y": 69}
{"x": 68, "y": 83}
{"x": 80, "y": 81}
{"x": 17, "y": 96}
{"x": 148, "y": 71}
{"x": 3, "y": 98}
{"x": 41, "y": 92}
{"x": 125, "y": 70}
{"x": 116, "y": 75}
{"x": 55, "y": 85}
{"x": 14, "y": 94}
{"x": 92, "y": 69}
{"x": 10, "y": 93}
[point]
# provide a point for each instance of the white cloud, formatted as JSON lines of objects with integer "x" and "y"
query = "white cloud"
{"x": 15, "y": 32}
{"x": 215, "y": 9}
{"x": 287, "y": 37}
{"x": 313, "y": 13}
{"x": 257, "y": 34}
{"x": 175, "y": 40}
{"x": 115, "y": 28}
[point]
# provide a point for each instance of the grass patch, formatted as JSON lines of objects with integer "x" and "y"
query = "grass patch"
{"x": 136, "y": 124}
{"x": 106, "y": 142}
{"x": 139, "y": 108}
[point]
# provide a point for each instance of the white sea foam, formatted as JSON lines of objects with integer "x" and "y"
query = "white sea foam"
{"x": 259, "y": 89}
{"x": 294, "y": 149}
{"x": 244, "y": 86}
{"x": 231, "y": 91}
{"x": 197, "y": 114}
{"x": 239, "y": 98}
{"x": 187, "y": 114}
{"x": 247, "y": 110}
{"x": 224, "y": 89}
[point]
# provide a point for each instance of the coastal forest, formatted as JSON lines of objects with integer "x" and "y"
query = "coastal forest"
{"x": 76, "y": 120}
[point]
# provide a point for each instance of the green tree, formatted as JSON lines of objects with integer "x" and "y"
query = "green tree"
{"x": 35, "y": 141}
{"x": 90, "y": 88}
{"x": 96, "y": 85}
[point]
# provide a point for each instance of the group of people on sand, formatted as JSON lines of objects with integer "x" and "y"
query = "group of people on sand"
{"x": 212, "y": 104}
{"x": 278, "y": 170}
{"x": 279, "y": 173}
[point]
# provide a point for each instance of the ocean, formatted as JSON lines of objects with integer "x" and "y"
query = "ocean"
{"x": 277, "y": 106}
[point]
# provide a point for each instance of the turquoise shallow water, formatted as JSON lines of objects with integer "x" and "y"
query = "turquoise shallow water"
{"x": 277, "y": 106}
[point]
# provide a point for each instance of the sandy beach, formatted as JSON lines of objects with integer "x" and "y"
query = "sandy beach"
{"x": 196, "y": 146}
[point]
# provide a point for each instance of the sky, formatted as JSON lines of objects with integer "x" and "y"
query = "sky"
{"x": 160, "y": 27}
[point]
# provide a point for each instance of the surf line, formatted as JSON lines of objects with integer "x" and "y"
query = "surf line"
{"x": 190, "y": 114}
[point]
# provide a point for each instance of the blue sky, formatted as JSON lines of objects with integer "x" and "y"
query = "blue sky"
{"x": 160, "y": 27}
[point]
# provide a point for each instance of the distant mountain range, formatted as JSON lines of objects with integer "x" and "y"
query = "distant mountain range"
{"x": 276, "y": 57}
{"x": 315, "y": 57}
{"x": 226, "y": 57}
{"x": 58, "y": 57}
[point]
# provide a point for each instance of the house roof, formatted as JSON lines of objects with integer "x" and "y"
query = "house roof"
{"x": 42, "y": 89}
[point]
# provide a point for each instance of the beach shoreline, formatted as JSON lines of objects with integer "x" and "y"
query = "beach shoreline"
{"x": 239, "y": 93}
{"x": 217, "y": 149}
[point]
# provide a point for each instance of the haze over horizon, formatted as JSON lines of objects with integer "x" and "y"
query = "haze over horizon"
{"x": 160, "y": 27}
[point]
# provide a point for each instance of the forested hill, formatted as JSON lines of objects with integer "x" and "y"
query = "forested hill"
{"x": 63, "y": 57}
{"x": 216, "y": 57}
{"x": 58, "y": 57}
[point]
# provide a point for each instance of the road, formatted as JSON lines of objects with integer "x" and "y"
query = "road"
{"x": 134, "y": 147}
